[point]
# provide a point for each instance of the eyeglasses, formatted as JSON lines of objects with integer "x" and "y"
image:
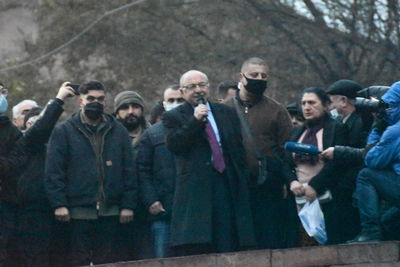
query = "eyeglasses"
{"x": 194, "y": 85}
{"x": 98, "y": 99}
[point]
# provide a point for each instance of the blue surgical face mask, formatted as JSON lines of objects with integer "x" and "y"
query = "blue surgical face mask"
{"x": 334, "y": 113}
{"x": 172, "y": 106}
{"x": 3, "y": 104}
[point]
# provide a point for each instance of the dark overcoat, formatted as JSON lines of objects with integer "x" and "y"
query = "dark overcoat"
{"x": 335, "y": 133}
{"x": 359, "y": 129}
{"x": 191, "y": 221}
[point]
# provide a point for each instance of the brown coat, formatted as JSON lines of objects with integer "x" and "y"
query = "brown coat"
{"x": 270, "y": 125}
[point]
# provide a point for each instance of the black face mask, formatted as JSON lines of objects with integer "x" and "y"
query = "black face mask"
{"x": 132, "y": 122}
{"x": 94, "y": 110}
{"x": 256, "y": 87}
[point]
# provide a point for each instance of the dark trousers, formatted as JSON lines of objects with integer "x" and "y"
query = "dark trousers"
{"x": 43, "y": 241}
{"x": 348, "y": 219}
{"x": 93, "y": 240}
{"x": 60, "y": 243}
{"x": 372, "y": 186}
{"x": 10, "y": 249}
{"x": 134, "y": 240}
{"x": 270, "y": 214}
{"x": 35, "y": 233}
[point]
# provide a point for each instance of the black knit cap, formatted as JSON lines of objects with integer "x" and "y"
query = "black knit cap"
{"x": 347, "y": 88}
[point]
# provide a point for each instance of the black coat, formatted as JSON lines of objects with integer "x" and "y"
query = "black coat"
{"x": 359, "y": 128}
{"x": 9, "y": 134}
{"x": 30, "y": 184}
{"x": 351, "y": 157}
{"x": 191, "y": 217}
{"x": 156, "y": 170}
{"x": 72, "y": 177}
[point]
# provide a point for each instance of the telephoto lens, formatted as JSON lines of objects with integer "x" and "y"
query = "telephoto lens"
{"x": 370, "y": 105}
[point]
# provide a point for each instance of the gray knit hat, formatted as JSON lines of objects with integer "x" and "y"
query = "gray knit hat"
{"x": 127, "y": 97}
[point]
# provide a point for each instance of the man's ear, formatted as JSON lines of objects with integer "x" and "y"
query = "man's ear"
{"x": 79, "y": 101}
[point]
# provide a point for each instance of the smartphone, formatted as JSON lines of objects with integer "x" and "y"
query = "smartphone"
{"x": 74, "y": 87}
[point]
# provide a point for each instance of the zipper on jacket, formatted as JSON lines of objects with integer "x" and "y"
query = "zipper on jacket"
{"x": 99, "y": 161}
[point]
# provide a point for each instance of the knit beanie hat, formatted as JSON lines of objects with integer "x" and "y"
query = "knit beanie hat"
{"x": 127, "y": 97}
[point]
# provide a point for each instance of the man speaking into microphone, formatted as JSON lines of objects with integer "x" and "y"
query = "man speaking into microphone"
{"x": 211, "y": 211}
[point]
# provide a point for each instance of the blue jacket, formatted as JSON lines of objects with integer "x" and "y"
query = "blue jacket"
{"x": 76, "y": 177}
{"x": 386, "y": 153}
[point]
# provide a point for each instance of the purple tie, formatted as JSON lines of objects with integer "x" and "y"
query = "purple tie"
{"x": 217, "y": 157}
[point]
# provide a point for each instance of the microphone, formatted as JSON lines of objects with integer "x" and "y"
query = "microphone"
{"x": 200, "y": 100}
{"x": 301, "y": 148}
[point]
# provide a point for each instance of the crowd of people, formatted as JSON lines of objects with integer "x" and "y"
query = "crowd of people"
{"x": 203, "y": 175}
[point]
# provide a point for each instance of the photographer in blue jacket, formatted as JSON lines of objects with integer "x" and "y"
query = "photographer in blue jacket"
{"x": 381, "y": 177}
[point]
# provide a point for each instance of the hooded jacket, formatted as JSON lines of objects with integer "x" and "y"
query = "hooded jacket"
{"x": 386, "y": 153}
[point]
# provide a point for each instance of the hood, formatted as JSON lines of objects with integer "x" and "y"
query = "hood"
{"x": 392, "y": 97}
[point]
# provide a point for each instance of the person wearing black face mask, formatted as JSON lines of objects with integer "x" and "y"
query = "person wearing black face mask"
{"x": 269, "y": 126}
{"x": 91, "y": 179}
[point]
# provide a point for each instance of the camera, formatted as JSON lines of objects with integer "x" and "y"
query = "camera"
{"x": 375, "y": 104}
{"x": 370, "y": 105}
{"x": 376, "y": 91}
{"x": 75, "y": 87}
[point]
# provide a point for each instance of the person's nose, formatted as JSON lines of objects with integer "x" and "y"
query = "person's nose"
{"x": 198, "y": 88}
{"x": 130, "y": 110}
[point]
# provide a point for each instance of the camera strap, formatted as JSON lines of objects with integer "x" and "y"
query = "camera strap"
{"x": 262, "y": 170}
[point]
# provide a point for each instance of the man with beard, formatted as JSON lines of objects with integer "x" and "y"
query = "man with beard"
{"x": 90, "y": 179}
{"x": 135, "y": 238}
{"x": 268, "y": 127}
{"x": 129, "y": 110}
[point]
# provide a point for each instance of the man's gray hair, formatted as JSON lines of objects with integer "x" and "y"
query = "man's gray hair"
{"x": 183, "y": 77}
{"x": 253, "y": 61}
{"x": 15, "y": 109}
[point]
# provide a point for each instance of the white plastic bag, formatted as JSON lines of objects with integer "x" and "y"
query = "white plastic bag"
{"x": 313, "y": 221}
